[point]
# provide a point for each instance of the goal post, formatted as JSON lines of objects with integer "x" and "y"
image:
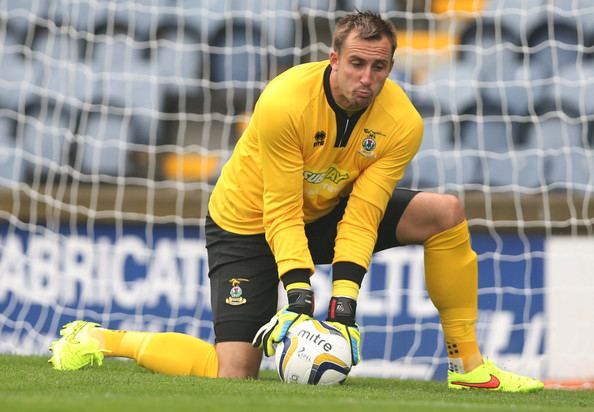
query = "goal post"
{"x": 117, "y": 116}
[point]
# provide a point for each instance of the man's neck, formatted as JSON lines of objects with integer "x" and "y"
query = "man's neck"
{"x": 339, "y": 99}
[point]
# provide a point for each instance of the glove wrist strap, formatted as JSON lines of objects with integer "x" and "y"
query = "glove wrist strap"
{"x": 342, "y": 309}
{"x": 301, "y": 301}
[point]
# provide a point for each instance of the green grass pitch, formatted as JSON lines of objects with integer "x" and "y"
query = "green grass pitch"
{"x": 28, "y": 383}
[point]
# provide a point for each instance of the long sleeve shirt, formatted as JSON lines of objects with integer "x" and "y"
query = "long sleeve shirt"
{"x": 301, "y": 152}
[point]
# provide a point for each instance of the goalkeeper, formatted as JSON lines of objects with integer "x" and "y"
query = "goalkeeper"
{"x": 312, "y": 181}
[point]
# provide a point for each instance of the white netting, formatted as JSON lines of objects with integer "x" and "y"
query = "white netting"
{"x": 115, "y": 117}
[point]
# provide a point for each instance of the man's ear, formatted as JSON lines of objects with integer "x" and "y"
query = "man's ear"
{"x": 333, "y": 59}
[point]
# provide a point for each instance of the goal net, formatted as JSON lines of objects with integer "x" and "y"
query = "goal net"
{"x": 116, "y": 117}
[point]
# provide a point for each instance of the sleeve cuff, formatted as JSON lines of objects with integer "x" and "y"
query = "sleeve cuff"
{"x": 348, "y": 271}
{"x": 294, "y": 276}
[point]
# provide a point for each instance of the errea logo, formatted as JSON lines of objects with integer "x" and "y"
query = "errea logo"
{"x": 319, "y": 138}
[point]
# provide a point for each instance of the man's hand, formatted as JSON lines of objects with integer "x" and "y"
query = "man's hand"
{"x": 276, "y": 329}
{"x": 341, "y": 315}
{"x": 299, "y": 309}
{"x": 353, "y": 336}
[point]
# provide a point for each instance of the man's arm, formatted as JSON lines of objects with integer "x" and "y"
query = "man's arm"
{"x": 282, "y": 171}
{"x": 357, "y": 233}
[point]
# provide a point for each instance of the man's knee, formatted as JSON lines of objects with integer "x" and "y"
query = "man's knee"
{"x": 238, "y": 360}
{"x": 427, "y": 215}
{"x": 450, "y": 212}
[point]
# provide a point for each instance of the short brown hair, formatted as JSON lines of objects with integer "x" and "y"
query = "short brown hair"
{"x": 369, "y": 26}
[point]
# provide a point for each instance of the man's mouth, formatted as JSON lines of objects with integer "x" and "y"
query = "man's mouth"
{"x": 363, "y": 93}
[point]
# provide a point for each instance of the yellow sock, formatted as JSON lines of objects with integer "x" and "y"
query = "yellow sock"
{"x": 346, "y": 288}
{"x": 451, "y": 274}
{"x": 169, "y": 353}
{"x": 109, "y": 339}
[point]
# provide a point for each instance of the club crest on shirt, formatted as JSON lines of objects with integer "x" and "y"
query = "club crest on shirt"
{"x": 236, "y": 293}
{"x": 369, "y": 143}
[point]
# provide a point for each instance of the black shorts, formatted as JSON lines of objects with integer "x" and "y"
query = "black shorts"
{"x": 243, "y": 273}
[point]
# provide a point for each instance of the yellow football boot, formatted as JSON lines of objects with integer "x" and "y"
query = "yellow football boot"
{"x": 490, "y": 377}
{"x": 76, "y": 348}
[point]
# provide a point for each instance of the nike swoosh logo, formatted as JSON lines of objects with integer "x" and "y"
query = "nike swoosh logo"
{"x": 493, "y": 383}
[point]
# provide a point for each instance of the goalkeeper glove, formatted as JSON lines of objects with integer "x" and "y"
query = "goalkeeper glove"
{"x": 299, "y": 309}
{"x": 341, "y": 315}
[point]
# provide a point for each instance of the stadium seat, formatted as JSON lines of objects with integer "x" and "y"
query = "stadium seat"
{"x": 274, "y": 19}
{"x": 103, "y": 144}
{"x": 12, "y": 71}
{"x": 141, "y": 96}
{"x": 314, "y": 4}
{"x": 453, "y": 88}
{"x": 177, "y": 59}
{"x": 578, "y": 14}
{"x": 564, "y": 140}
{"x": 23, "y": 13}
{"x": 59, "y": 69}
{"x": 572, "y": 168}
{"x": 498, "y": 70}
{"x": 268, "y": 26}
{"x": 441, "y": 160}
{"x": 45, "y": 137}
{"x": 554, "y": 45}
{"x": 16, "y": 77}
{"x": 7, "y": 129}
{"x": 56, "y": 45}
{"x": 584, "y": 18}
{"x": 518, "y": 17}
{"x": 497, "y": 26}
{"x": 138, "y": 17}
{"x": 503, "y": 159}
{"x": 124, "y": 78}
{"x": 118, "y": 53}
{"x": 488, "y": 50}
{"x": 82, "y": 16}
{"x": 67, "y": 81}
{"x": 574, "y": 87}
{"x": 509, "y": 85}
{"x": 11, "y": 169}
{"x": 141, "y": 16}
{"x": 372, "y": 5}
{"x": 231, "y": 61}
{"x": 237, "y": 63}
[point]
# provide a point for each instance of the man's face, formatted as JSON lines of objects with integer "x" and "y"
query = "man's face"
{"x": 360, "y": 70}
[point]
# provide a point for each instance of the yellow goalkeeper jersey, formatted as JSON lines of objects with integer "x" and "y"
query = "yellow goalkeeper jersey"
{"x": 301, "y": 152}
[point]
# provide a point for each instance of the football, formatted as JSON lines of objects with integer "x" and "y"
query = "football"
{"x": 313, "y": 352}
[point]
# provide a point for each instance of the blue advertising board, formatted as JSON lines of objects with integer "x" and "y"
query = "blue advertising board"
{"x": 156, "y": 278}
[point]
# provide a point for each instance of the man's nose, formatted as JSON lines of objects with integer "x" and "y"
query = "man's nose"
{"x": 366, "y": 77}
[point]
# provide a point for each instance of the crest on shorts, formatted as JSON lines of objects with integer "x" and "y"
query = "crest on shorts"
{"x": 236, "y": 293}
